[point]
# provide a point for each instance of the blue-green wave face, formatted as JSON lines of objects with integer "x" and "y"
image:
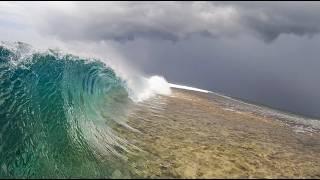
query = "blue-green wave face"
{"x": 57, "y": 113}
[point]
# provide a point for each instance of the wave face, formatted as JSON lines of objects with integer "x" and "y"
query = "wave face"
{"x": 57, "y": 113}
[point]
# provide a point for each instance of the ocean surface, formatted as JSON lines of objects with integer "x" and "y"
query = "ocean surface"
{"x": 63, "y": 116}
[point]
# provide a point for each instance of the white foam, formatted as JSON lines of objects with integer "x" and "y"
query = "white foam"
{"x": 145, "y": 88}
{"x": 188, "y": 88}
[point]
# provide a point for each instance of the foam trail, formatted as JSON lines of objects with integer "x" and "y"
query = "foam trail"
{"x": 188, "y": 88}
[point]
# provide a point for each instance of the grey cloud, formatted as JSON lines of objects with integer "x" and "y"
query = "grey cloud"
{"x": 124, "y": 21}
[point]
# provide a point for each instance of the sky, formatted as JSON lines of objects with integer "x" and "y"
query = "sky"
{"x": 263, "y": 52}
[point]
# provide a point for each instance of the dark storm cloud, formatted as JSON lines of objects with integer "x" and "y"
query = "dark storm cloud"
{"x": 270, "y": 20}
{"x": 124, "y": 21}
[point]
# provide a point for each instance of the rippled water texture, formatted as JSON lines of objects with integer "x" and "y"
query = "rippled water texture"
{"x": 199, "y": 135}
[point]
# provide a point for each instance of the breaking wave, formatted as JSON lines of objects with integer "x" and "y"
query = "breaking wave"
{"x": 57, "y": 113}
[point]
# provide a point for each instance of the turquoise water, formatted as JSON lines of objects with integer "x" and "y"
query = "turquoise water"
{"x": 56, "y": 114}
